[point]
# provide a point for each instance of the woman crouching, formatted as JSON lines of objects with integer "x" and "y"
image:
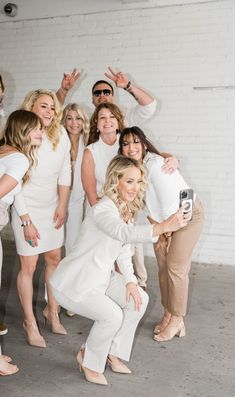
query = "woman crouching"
{"x": 86, "y": 282}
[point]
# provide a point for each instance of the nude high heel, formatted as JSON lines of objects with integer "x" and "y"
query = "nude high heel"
{"x": 99, "y": 378}
{"x": 174, "y": 328}
{"x": 163, "y": 323}
{"x": 53, "y": 319}
{"x": 33, "y": 335}
{"x": 120, "y": 367}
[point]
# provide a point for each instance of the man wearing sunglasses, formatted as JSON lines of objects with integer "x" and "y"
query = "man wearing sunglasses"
{"x": 102, "y": 91}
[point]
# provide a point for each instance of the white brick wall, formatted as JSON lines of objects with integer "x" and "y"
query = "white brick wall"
{"x": 169, "y": 51}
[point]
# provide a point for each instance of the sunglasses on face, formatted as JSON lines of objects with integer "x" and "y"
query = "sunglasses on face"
{"x": 98, "y": 93}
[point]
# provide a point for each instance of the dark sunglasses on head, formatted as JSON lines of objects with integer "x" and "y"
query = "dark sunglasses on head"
{"x": 106, "y": 92}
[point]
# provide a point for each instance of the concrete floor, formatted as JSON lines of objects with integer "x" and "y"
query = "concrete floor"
{"x": 200, "y": 364}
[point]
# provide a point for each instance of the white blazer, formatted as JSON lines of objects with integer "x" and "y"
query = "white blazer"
{"x": 104, "y": 239}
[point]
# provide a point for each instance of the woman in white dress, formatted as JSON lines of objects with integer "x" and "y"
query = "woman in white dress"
{"x": 39, "y": 212}
{"x": 86, "y": 282}
{"x": 21, "y": 137}
{"x": 76, "y": 123}
{"x": 173, "y": 251}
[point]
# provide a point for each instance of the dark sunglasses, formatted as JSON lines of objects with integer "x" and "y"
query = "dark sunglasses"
{"x": 106, "y": 92}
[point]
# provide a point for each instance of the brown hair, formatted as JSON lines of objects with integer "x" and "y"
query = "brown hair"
{"x": 16, "y": 134}
{"x": 114, "y": 109}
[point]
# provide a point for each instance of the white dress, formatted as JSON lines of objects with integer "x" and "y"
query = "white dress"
{"x": 76, "y": 203}
{"x": 102, "y": 155}
{"x": 39, "y": 197}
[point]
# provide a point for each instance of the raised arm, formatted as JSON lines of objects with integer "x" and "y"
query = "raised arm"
{"x": 67, "y": 84}
{"x": 121, "y": 81}
{"x": 88, "y": 177}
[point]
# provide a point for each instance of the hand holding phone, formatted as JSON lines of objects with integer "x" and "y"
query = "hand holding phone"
{"x": 186, "y": 200}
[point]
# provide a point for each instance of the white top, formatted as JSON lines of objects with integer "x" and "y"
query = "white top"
{"x": 104, "y": 239}
{"x": 15, "y": 165}
{"x": 162, "y": 194}
{"x": 77, "y": 191}
{"x": 102, "y": 155}
{"x": 139, "y": 114}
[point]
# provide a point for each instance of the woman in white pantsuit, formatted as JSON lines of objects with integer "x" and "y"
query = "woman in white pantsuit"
{"x": 22, "y": 135}
{"x": 86, "y": 282}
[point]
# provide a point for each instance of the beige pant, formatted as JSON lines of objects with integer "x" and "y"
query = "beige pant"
{"x": 175, "y": 266}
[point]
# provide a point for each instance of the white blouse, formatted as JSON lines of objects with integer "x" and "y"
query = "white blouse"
{"x": 15, "y": 165}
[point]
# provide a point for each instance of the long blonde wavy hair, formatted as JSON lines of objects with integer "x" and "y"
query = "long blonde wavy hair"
{"x": 115, "y": 171}
{"x": 16, "y": 134}
{"x": 81, "y": 113}
{"x": 114, "y": 109}
{"x": 53, "y": 131}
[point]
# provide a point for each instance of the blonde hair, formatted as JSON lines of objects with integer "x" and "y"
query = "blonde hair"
{"x": 81, "y": 113}
{"x": 114, "y": 109}
{"x": 53, "y": 131}
{"x": 114, "y": 173}
{"x": 16, "y": 134}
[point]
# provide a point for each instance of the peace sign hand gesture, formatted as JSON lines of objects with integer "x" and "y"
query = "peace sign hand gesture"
{"x": 120, "y": 79}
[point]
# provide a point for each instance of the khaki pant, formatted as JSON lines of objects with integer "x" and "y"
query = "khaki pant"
{"x": 175, "y": 266}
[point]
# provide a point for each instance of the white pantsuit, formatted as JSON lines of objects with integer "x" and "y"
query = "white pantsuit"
{"x": 115, "y": 322}
{"x": 86, "y": 283}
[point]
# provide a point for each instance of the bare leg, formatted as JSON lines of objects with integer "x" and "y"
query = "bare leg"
{"x": 50, "y": 313}
{"x": 25, "y": 290}
{"x": 25, "y": 285}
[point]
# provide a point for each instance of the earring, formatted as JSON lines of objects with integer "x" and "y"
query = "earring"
{"x": 97, "y": 130}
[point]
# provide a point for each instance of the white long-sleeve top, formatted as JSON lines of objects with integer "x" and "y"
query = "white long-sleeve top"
{"x": 104, "y": 239}
{"x": 139, "y": 114}
{"x": 162, "y": 194}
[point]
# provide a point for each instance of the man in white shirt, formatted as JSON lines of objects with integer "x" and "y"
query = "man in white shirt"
{"x": 102, "y": 91}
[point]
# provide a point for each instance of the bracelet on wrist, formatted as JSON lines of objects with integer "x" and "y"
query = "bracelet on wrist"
{"x": 26, "y": 223}
{"x": 128, "y": 86}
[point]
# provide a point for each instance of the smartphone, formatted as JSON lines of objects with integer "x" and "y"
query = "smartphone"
{"x": 186, "y": 199}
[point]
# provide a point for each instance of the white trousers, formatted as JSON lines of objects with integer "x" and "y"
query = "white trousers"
{"x": 73, "y": 223}
{"x": 115, "y": 322}
{"x": 139, "y": 266}
{"x": 3, "y": 221}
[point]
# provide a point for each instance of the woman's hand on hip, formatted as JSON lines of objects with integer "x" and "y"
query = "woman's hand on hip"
{"x": 31, "y": 235}
{"x": 133, "y": 291}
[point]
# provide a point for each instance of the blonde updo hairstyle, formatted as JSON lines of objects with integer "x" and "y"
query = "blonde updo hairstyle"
{"x": 82, "y": 114}
{"x": 115, "y": 171}
{"x": 16, "y": 134}
{"x": 53, "y": 131}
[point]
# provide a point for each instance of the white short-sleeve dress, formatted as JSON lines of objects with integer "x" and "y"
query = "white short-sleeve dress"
{"x": 39, "y": 197}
